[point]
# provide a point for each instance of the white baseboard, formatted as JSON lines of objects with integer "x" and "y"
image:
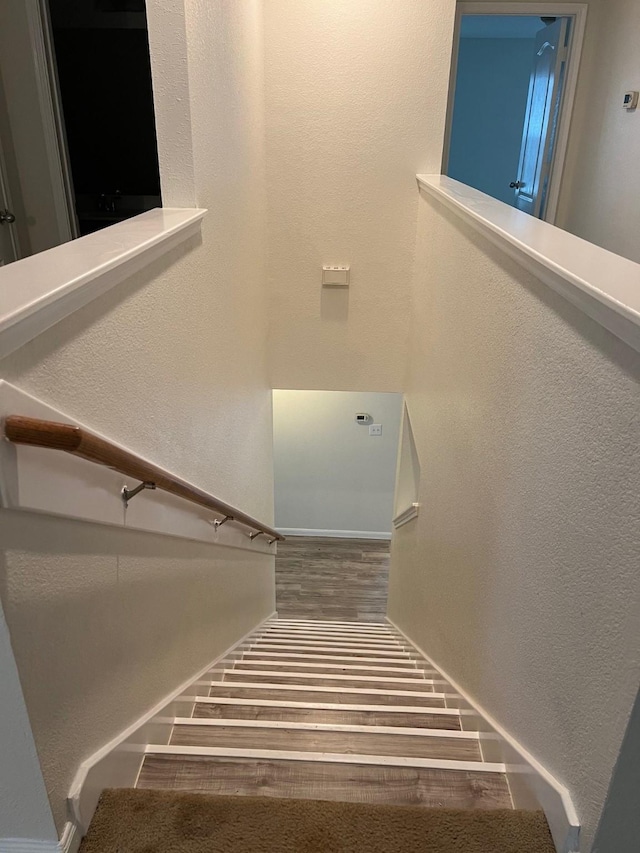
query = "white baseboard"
{"x": 71, "y": 838}
{"x": 118, "y": 763}
{"x": 532, "y": 787}
{"x": 333, "y": 534}
{"x": 69, "y": 843}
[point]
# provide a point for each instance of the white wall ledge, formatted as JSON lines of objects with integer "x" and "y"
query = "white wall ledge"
{"x": 37, "y": 292}
{"x": 406, "y": 515}
{"x": 604, "y": 285}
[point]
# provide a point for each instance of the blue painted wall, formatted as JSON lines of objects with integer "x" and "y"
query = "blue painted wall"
{"x": 492, "y": 84}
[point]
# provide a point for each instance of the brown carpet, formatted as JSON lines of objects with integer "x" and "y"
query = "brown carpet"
{"x": 130, "y": 821}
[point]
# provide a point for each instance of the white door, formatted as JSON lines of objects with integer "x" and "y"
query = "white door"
{"x": 543, "y": 110}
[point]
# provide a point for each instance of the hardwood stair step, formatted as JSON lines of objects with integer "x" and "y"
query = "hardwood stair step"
{"x": 313, "y": 739}
{"x": 338, "y": 695}
{"x": 356, "y": 631}
{"x": 327, "y": 668}
{"x": 315, "y": 679}
{"x": 251, "y": 655}
{"x": 323, "y": 780}
{"x": 340, "y": 651}
{"x": 289, "y": 711}
{"x": 329, "y": 639}
{"x": 370, "y": 627}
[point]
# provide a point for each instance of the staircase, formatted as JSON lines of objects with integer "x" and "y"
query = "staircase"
{"x": 345, "y": 711}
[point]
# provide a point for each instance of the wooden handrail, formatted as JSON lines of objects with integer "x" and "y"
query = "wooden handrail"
{"x": 80, "y": 442}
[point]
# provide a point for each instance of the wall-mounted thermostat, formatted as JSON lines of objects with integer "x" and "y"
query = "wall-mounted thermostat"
{"x": 630, "y": 100}
{"x": 363, "y": 418}
{"x": 335, "y": 276}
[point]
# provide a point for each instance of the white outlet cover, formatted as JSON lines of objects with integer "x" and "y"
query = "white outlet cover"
{"x": 375, "y": 429}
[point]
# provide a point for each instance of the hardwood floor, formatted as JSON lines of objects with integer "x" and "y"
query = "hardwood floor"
{"x": 333, "y": 710}
{"x": 332, "y": 579}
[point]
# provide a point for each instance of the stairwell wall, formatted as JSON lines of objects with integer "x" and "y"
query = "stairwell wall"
{"x": 519, "y": 577}
{"x": 172, "y": 364}
{"x": 356, "y": 99}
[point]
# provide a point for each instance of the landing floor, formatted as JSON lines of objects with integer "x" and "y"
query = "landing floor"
{"x": 334, "y": 579}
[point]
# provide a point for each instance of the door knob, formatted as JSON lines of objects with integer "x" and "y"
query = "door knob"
{"x": 515, "y": 185}
{"x": 6, "y": 216}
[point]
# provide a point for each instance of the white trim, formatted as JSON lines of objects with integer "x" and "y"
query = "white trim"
{"x": 329, "y": 622}
{"x": 327, "y": 706}
{"x": 288, "y": 647}
{"x": 118, "y": 762}
{"x": 28, "y": 845}
{"x": 285, "y": 656}
{"x": 302, "y": 630}
{"x": 37, "y": 479}
{"x": 306, "y": 688}
{"x": 71, "y": 838}
{"x": 330, "y": 636}
{"x": 406, "y": 515}
{"x": 330, "y": 676}
{"x": 327, "y": 727}
{"x": 333, "y": 534}
{"x": 603, "y": 285}
{"x": 341, "y": 666}
{"x": 39, "y": 291}
{"x": 319, "y": 634}
{"x": 578, "y": 12}
{"x": 342, "y": 626}
{"x": 329, "y": 757}
{"x": 531, "y": 785}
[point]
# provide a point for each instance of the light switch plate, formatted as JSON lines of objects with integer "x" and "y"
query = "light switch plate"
{"x": 337, "y": 276}
{"x": 375, "y": 429}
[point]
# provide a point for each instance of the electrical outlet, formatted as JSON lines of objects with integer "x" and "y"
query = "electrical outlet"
{"x": 375, "y": 429}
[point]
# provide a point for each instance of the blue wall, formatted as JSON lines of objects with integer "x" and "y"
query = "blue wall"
{"x": 492, "y": 84}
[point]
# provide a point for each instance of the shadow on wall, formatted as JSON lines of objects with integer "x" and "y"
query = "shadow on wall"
{"x": 334, "y": 474}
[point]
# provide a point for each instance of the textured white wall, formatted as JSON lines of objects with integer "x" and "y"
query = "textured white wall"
{"x": 330, "y": 474}
{"x": 520, "y": 576}
{"x": 356, "y": 100}
{"x": 602, "y": 202}
{"x": 171, "y": 363}
{"x": 24, "y": 810}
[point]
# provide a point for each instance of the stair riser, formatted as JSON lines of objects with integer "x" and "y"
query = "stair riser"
{"x": 317, "y": 680}
{"x": 345, "y": 669}
{"x": 455, "y": 749}
{"x": 315, "y": 780}
{"x": 341, "y": 697}
{"x": 319, "y": 715}
{"x": 340, "y": 651}
{"x": 342, "y": 643}
{"x": 251, "y": 655}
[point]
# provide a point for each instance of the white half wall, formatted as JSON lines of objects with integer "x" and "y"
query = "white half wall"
{"x": 520, "y": 576}
{"x": 24, "y": 810}
{"x": 172, "y": 364}
{"x": 330, "y": 474}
